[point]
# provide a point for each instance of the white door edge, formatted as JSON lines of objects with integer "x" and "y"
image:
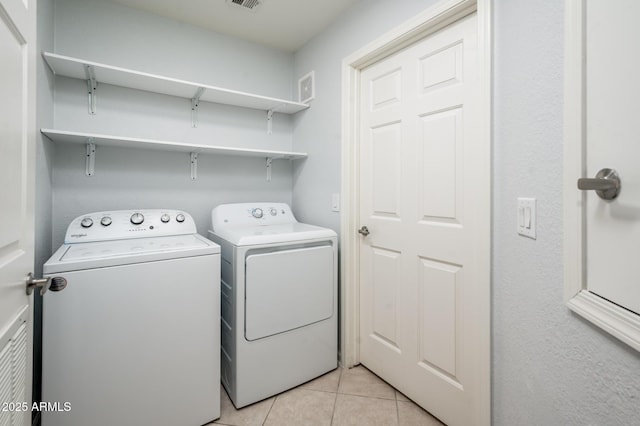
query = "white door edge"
{"x": 615, "y": 320}
{"x": 431, "y": 20}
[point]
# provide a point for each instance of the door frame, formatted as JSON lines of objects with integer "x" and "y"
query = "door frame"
{"x": 429, "y": 21}
{"x": 615, "y": 320}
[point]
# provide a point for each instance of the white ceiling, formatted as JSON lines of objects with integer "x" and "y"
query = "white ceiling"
{"x": 284, "y": 24}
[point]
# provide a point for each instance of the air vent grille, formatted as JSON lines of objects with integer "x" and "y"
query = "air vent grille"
{"x": 13, "y": 367}
{"x": 245, "y": 4}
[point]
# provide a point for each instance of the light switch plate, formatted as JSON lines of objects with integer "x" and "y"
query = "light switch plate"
{"x": 335, "y": 202}
{"x": 527, "y": 217}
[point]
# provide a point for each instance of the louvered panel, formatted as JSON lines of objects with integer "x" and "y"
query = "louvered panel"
{"x": 5, "y": 418}
{"x": 13, "y": 375}
{"x": 19, "y": 350}
{"x": 249, "y": 4}
{"x": 5, "y": 383}
{"x": 19, "y": 361}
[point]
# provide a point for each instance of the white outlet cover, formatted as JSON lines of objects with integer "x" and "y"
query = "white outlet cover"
{"x": 527, "y": 216}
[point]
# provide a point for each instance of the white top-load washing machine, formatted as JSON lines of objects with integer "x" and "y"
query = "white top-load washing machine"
{"x": 131, "y": 337}
{"x": 279, "y": 299}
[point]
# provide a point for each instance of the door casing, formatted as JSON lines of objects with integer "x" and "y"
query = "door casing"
{"x": 425, "y": 23}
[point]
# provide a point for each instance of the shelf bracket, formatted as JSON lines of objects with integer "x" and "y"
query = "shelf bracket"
{"x": 91, "y": 157}
{"x": 194, "y": 165}
{"x": 92, "y": 84}
{"x": 195, "y": 102}
{"x": 270, "y": 121}
{"x": 269, "y": 160}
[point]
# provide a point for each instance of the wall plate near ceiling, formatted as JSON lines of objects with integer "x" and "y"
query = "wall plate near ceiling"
{"x": 251, "y": 5}
{"x": 306, "y": 88}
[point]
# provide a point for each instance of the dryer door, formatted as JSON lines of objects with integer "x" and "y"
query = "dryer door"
{"x": 287, "y": 289}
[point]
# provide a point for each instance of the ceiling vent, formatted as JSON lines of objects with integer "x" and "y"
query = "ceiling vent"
{"x": 245, "y": 4}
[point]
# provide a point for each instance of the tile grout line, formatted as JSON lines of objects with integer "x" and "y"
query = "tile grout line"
{"x": 313, "y": 390}
{"x": 367, "y": 396}
{"x": 335, "y": 403}
{"x": 264, "y": 422}
{"x": 333, "y": 413}
{"x": 397, "y": 407}
{"x": 395, "y": 391}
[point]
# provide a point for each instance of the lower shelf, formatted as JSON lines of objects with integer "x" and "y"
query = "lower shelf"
{"x": 92, "y": 139}
{"x": 122, "y": 141}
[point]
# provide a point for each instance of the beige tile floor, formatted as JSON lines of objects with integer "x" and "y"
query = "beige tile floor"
{"x": 340, "y": 398}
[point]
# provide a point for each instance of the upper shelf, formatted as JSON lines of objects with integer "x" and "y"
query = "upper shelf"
{"x": 107, "y": 74}
{"x": 110, "y": 140}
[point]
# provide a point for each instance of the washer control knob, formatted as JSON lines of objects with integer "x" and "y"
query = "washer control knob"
{"x": 137, "y": 218}
{"x": 180, "y": 217}
{"x": 106, "y": 221}
{"x": 273, "y": 211}
{"x": 257, "y": 213}
{"x": 86, "y": 222}
{"x": 165, "y": 218}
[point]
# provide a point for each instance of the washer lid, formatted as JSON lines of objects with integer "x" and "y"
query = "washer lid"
{"x": 254, "y": 235}
{"x": 70, "y": 257}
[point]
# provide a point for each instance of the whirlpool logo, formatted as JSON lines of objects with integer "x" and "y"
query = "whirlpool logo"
{"x": 78, "y": 235}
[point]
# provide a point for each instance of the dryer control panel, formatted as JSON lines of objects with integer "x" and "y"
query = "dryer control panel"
{"x": 126, "y": 224}
{"x": 251, "y": 214}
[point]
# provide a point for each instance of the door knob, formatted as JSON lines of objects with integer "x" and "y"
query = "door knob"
{"x": 607, "y": 184}
{"x": 364, "y": 231}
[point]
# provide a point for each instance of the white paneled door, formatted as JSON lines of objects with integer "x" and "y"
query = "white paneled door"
{"x": 17, "y": 140}
{"x": 612, "y": 141}
{"x": 421, "y": 176}
{"x": 602, "y": 212}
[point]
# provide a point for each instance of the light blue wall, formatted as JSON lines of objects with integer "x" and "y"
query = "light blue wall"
{"x": 550, "y": 367}
{"x": 318, "y": 129}
{"x": 110, "y": 33}
{"x": 44, "y": 149}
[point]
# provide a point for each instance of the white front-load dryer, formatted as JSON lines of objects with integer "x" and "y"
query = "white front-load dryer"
{"x": 279, "y": 299}
{"x": 131, "y": 334}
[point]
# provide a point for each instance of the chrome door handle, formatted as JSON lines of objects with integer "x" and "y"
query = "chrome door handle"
{"x": 364, "y": 231}
{"x": 607, "y": 184}
{"x": 53, "y": 284}
{"x": 32, "y": 282}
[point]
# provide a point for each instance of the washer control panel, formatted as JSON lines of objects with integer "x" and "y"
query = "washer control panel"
{"x": 251, "y": 214}
{"x": 126, "y": 224}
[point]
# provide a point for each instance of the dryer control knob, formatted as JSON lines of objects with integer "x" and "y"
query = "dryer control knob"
{"x": 257, "y": 213}
{"x": 86, "y": 222}
{"x": 137, "y": 218}
{"x": 165, "y": 218}
{"x": 106, "y": 221}
{"x": 273, "y": 211}
{"x": 180, "y": 217}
